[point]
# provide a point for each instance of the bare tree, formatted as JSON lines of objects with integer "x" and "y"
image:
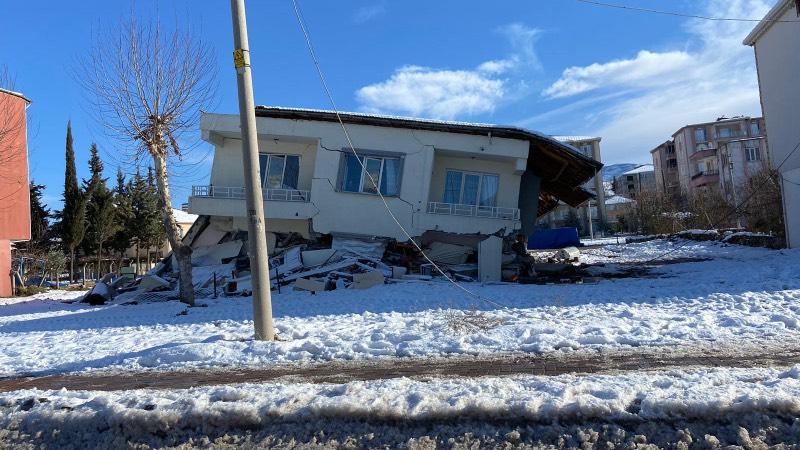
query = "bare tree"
{"x": 147, "y": 87}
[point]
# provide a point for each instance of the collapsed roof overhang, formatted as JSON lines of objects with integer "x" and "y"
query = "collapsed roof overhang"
{"x": 561, "y": 167}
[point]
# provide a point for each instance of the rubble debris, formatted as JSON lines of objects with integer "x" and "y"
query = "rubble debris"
{"x": 311, "y": 258}
{"x": 148, "y": 283}
{"x": 98, "y": 295}
{"x": 303, "y": 284}
{"x": 441, "y": 252}
{"x": 367, "y": 280}
{"x": 352, "y": 246}
{"x": 490, "y": 259}
{"x": 569, "y": 254}
{"x": 215, "y": 254}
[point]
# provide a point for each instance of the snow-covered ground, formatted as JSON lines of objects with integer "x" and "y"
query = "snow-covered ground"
{"x": 696, "y": 405}
{"x": 743, "y": 296}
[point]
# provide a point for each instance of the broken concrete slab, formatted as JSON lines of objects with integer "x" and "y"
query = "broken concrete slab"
{"x": 368, "y": 248}
{"x": 313, "y": 258}
{"x": 99, "y": 294}
{"x": 367, "y": 280}
{"x": 303, "y": 284}
{"x": 569, "y": 254}
{"x": 149, "y": 283}
{"x": 444, "y": 253}
{"x": 215, "y": 254}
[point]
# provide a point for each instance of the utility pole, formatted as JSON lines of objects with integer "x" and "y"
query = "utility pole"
{"x": 257, "y": 239}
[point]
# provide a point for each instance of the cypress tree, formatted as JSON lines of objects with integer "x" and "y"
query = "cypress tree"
{"x": 123, "y": 217}
{"x": 40, "y": 220}
{"x": 73, "y": 216}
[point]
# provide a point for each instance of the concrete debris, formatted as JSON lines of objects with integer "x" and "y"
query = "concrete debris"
{"x": 441, "y": 252}
{"x": 367, "y": 280}
{"x": 303, "y": 284}
{"x": 372, "y": 249}
{"x": 215, "y": 254}
{"x": 149, "y": 283}
{"x": 99, "y": 294}
{"x": 569, "y": 254}
{"x": 312, "y": 258}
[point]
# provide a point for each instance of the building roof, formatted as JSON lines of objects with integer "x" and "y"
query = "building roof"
{"x": 570, "y": 139}
{"x": 641, "y": 169}
{"x": 774, "y": 14}
{"x": 16, "y": 94}
{"x": 561, "y": 167}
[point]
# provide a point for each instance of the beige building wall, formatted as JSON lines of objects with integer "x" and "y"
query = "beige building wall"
{"x": 322, "y": 146}
{"x": 777, "y": 50}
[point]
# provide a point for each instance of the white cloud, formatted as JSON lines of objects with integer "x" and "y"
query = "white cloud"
{"x": 367, "y": 13}
{"x": 447, "y": 93}
{"x": 713, "y": 75}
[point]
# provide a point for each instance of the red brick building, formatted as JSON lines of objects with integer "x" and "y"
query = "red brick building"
{"x": 15, "y": 214}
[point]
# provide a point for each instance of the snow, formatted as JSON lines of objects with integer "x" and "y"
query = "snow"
{"x": 742, "y": 297}
{"x": 640, "y": 169}
{"x": 183, "y": 216}
{"x": 618, "y": 199}
{"x": 672, "y": 397}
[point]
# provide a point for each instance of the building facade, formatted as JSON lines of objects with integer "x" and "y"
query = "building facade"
{"x": 634, "y": 182}
{"x": 713, "y": 155}
{"x": 15, "y": 214}
{"x": 447, "y": 176}
{"x": 665, "y": 169}
{"x": 776, "y": 42}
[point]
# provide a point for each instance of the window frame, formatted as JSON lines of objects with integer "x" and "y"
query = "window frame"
{"x": 365, "y": 155}
{"x": 265, "y": 175}
{"x": 464, "y": 174}
{"x": 756, "y": 151}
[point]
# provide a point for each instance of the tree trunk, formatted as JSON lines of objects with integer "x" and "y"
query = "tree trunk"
{"x": 71, "y": 265}
{"x": 137, "y": 260}
{"x": 182, "y": 252}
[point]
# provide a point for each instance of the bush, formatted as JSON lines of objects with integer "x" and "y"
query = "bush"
{"x": 25, "y": 291}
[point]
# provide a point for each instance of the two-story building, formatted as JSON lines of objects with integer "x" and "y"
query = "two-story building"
{"x": 433, "y": 175}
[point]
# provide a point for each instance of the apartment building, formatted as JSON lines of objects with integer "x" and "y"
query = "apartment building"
{"x": 434, "y": 175}
{"x": 15, "y": 214}
{"x": 665, "y": 169}
{"x": 716, "y": 155}
{"x": 776, "y": 43}
{"x": 634, "y": 182}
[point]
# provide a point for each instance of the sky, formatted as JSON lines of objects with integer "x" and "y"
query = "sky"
{"x": 561, "y": 67}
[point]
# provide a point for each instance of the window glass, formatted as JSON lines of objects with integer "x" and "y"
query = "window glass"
{"x": 275, "y": 171}
{"x": 489, "y": 190}
{"x": 352, "y": 174}
{"x": 725, "y": 132}
{"x": 754, "y": 130}
{"x": 699, "y": 135}
{"x": 262, "y": 165}
{"x": 390, "y": 178}
{"x": 372, "y": 176}
{"x": 291, "y": 174}
{"x": 452, "y": 187}
{"x": 471, "y": 185}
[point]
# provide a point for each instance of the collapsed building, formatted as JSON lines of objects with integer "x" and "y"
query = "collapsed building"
{"x": 451, "y": 185}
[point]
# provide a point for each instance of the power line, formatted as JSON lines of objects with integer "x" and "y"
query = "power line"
{"x": 327, "y": 90}
{"x": 679, "y": 14}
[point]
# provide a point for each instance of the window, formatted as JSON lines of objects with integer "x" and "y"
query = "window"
{"x": 279, "y": 171}
{"x": 724, "y": 132}
{"x": 383, "y": 170}
{"x": 754, "y": 128}
{"x": 672, "y": 163}
{"x": 469, "y": 188}
{"x": 699, "y": 135}
{"x": 751, "y": 151}
{"x": 587, "y": 150}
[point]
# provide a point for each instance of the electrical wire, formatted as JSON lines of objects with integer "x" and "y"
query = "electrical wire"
{"x": 678, "y": 14}
{"x": 301, "y": 22}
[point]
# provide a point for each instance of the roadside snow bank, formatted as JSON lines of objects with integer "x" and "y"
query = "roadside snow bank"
{"x": 706, "y": 396}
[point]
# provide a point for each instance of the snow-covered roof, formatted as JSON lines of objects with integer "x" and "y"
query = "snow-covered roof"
{"x": 618, "y": 199}
{"x": 183, "y": 216}
{"x": 570, "y": 139}
{"x": 774, "y": 14}
{"x": 641, "y": 169}
{"x": 15, "y": 94}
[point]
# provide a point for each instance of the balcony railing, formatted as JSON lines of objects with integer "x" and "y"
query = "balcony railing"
{"x": 489, "y": 212}
{"x": 707, "y": 172}
{"x": 277, "y": 195}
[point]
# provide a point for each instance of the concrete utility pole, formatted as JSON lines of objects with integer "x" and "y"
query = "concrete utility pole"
{"x": 259, "y": 262}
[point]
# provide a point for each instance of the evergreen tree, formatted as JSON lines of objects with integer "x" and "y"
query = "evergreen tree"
{"x": 40, "y": 220}
{"x": 123, "y": 217}
{"x": 156, "y": 233}
{"x": 102, "y": 220}
{"x": 73, "y": 216}
{"x": 146, "y": 215}
{"x": 95, "y": 189}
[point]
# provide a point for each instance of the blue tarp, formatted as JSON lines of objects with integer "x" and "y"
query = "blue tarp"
{"x": 554, "y": 238}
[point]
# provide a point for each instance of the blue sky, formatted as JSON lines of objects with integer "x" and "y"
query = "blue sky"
{"x": 556, "y": 66}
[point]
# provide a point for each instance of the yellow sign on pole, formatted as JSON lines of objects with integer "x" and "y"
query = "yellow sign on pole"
{"x": 238, "y": 58}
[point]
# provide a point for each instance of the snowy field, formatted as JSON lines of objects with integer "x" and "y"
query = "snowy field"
{"x": 741, "y": 297}
{"x": 707, "y": 407}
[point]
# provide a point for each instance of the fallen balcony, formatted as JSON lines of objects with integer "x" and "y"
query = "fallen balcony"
{"x": 230, "y": 201}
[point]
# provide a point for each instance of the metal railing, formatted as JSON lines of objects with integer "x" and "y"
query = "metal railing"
{"x": 277, "y": 195}
{"x": 489, "y": 212}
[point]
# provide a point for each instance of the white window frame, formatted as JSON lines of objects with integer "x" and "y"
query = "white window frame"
{"x": 283, "y": 172}
{"x": 363, "y": 178}
{"x": 752, "y": 151}
{"x": 464, "y": 174}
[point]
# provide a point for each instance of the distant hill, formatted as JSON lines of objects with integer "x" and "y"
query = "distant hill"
{"x": 612, "y": 170}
